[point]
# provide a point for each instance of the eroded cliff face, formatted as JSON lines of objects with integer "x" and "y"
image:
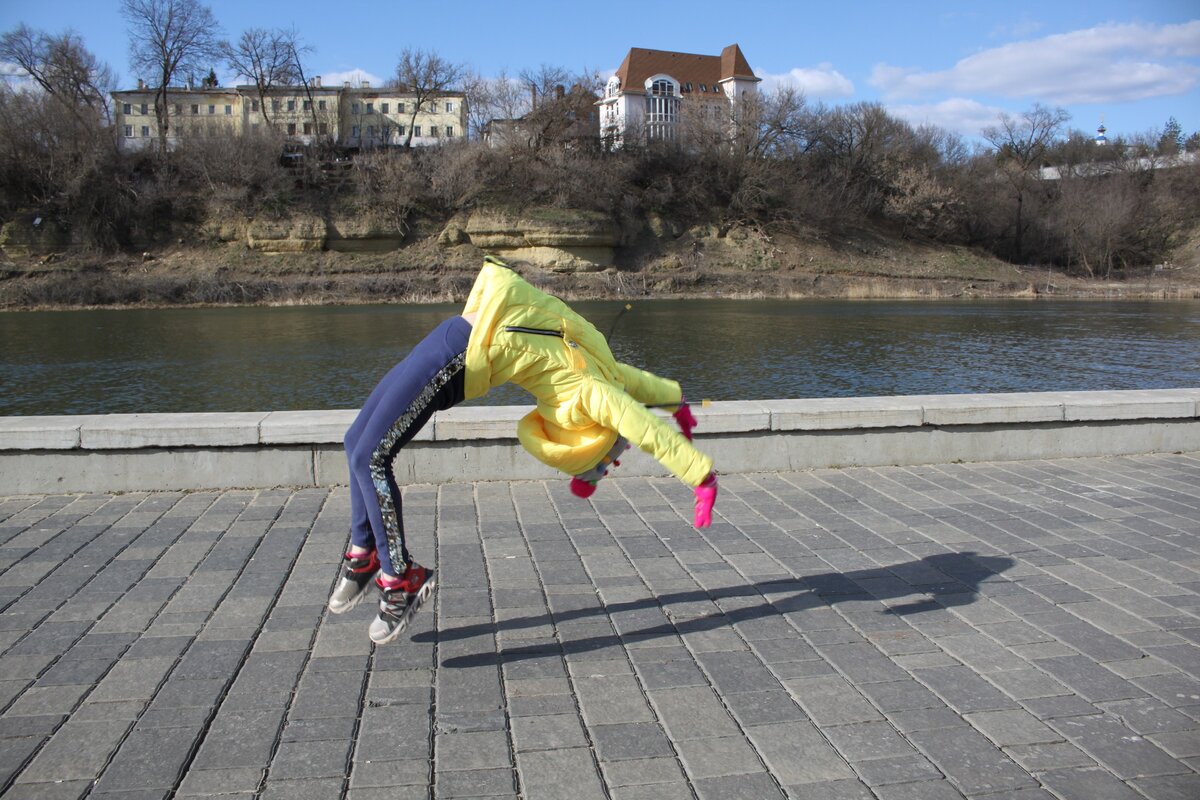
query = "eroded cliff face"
{"x": 560, "y": 240}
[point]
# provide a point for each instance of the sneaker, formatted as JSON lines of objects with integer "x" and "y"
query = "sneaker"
{"x": 400, "y": 602}
{"x": 357, "y": 573}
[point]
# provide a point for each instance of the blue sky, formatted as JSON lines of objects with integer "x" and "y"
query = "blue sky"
{"x": 956, "y": 64}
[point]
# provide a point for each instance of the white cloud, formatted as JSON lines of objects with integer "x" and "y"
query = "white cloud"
{"x": 1017, "y": 30}
{"x": 1107, "y": 63}
{"x": 354, "y": 76}
{"x": 958, "y": 114}
{"x": 816, "y": 82}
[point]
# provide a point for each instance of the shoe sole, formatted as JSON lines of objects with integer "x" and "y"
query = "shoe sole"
{"x": 414, "y": 606}
{"x": 358, "y": 598}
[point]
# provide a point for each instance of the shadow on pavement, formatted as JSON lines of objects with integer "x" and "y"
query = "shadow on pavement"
{"x": 949, "y": 579}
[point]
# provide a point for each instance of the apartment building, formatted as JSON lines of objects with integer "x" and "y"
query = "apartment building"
{"x": 354, "y": 117}
{"x": 650, "y": 90}
{"x": 384, "y": 117}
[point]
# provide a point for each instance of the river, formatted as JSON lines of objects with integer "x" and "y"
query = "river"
{"x": 254, "y": 359}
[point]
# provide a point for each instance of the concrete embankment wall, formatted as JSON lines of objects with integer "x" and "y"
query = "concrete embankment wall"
{"x": 132, "y": 452}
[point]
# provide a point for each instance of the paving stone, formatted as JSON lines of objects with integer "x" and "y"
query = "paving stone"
{"x": 1116, "y": 746}
{"x": 795, "y": 752}
{"x": 80, "y": 750}
{"x": 629, "y": 741}
{"x": 973, "y": 763}
{"x": 1014, "y": 727}
{"x": 706, "y": 758}
{"x": 548, "y": 732}
{"x": 473, "y": 751}
{"x": 695, "y": 713}
{"x": 149, "y": 759}
{"x": 757, "y": 786}
{"x": 1085, "y": 783}
{"x": 554, "y": 774}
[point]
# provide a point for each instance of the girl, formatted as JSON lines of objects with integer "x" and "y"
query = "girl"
{"x": 590, "y": 407}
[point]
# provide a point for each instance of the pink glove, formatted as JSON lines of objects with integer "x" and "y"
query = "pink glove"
{"x": 582, "y": 489}
{"x": 706, "y": 495}
{"x": 683, "y": 416}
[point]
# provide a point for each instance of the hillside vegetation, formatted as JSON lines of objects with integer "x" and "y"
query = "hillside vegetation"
{"x": 782, "y": 198}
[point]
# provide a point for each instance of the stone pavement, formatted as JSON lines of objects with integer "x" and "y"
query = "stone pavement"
{"x": 1018, "y": 630}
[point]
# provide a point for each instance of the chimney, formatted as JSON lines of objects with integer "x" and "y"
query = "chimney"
{"x": 141, "y": 84}
{"x": 346, "y": 85}
{"x": 533, "y": 97}
{"x": 559, "y": 91}
{"x": 317, "y": 81}
{"x": 366, "y": 84}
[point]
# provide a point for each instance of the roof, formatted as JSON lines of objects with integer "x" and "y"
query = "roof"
{"x": 641, "y": 63}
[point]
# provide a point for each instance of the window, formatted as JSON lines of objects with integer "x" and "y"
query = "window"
{"x": 417, "y": 131}
{"x": 449, "y": 108}
{"x": 383, "y": 108}
{"x": 399, "y": 108}
{"x": 307, "y": 105}
{"x": 716, "y": 88}
{"x": 291, "y": 105}
{"x": 178, "y": 110}
{"x": 291, "y": 129}
{"x": 145, "y": 131}
{"x": 370, "y": 108}
{"x": 433, "y": 130}
{"x": 322, "y": 128}
{"x": 704, "y": 87}
{"x": 144, "y": 107}
{"x": 127, "y": 109}
{"x": 128, "y": 130}
{"x": 195, "y": 108}
{"x": 254, "y": 127}
{"x": 308, "y": 129}
{"x": 228, "y": 110}
{"x": 354, "y": 108}
{"x": 254, "y": 106}
{"x": 370, "y": 131}
{"x": 212, "y": 109}
{"x": 662, "y": 109}
{"x": 354, "y": 132}
{"x": 449, "y": 131}
{"x": 387, "y": 133}
{"x": 274, "y": 105}
{"x": 400, "y": 130}
{"x": 321, "y": 105}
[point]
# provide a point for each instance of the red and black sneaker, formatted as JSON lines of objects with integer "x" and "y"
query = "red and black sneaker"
{"x": 400, "y": 601}
{"x": 357, "y": 573}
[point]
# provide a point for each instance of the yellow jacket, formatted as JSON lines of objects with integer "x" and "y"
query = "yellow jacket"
{"x": 585, "y": 397}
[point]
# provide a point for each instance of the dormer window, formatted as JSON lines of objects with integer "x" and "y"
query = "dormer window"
{"x": 614, "y": 86}
{"x": 662, "y": 86}
{"x": 703, "y": 87}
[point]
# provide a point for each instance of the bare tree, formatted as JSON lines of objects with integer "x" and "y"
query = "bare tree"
{"x": 425, "y": 75}
{"x": 267, "y": 58}
{"x": 487, "y": 99}
{"x": 167, "y": 38}
{"x": 62, "y": 67}
{"x": 1021, "y": 145}
{"x": 541, "y": 83}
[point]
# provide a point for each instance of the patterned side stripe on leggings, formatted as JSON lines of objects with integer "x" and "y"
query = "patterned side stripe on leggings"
{"x": 383, "y": 455}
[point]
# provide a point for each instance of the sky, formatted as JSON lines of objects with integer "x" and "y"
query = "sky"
{"x": 1131, "y": 64}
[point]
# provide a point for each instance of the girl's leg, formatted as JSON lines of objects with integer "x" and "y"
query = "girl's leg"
{"x": 429, "y": 379}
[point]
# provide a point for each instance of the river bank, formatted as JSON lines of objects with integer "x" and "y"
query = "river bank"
{"x": 750, "y": 265}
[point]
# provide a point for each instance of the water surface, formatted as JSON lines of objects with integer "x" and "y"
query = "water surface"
{"x": 252, "y": 359}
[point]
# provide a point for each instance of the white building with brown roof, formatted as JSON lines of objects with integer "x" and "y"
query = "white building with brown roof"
{"x": 646, "y": 95}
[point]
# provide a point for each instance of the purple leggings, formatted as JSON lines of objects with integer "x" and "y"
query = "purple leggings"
{"x": 429, "y": 379}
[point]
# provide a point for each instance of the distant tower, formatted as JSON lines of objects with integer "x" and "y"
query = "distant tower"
{"x": 1101, "y": 139}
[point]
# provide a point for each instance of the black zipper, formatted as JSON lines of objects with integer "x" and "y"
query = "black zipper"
{"x": 538, "y": 331}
